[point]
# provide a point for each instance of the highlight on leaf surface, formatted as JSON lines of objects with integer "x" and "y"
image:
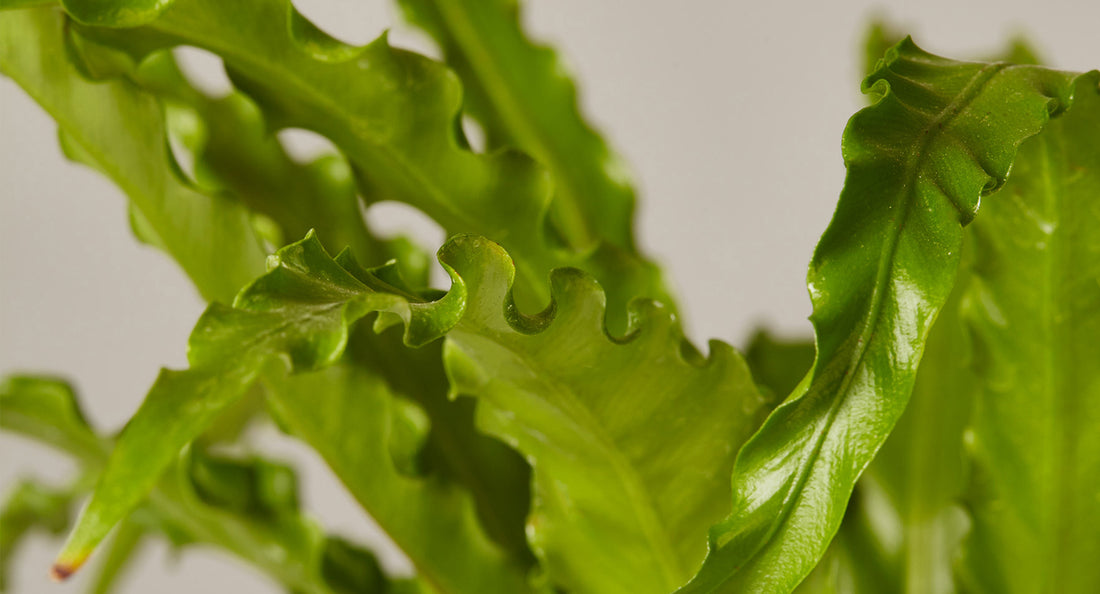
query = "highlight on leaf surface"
{"x": 939, "y": 136}
{"x": 300, "y": 312}
{"x": 627, "y": 433}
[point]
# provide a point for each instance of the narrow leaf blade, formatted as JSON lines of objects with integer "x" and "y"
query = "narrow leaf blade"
{"x": 940, "y": 135}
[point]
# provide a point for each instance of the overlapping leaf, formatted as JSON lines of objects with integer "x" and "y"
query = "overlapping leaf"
{"x": 940, "y": 135}
{"x": 629, "y": 486}
{"x": 522, "y": 96}
{"x": 392, "y": 113}
{"x": 246, "y": 508}
{"x": 120, "y": 131}
{"x": 1033, "y": 305}
{"x": 298, "y": 313}
{"x": 631, "y": 440}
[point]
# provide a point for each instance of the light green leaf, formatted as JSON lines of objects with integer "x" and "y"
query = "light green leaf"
{"x": 115, "y": 128}
{"x": 28, "y": 507}
{"x": 46, "y": 410}
{"x": 268, "y": 531}
{"x": 1033, "y": 306}
{"x": 523, "y": 97}
{"x": 634, "y": 450}
{"x": 392, "y": 113}
{"x": 298, "y": 314}
{"x": 234, "y": 150}
{"x": 361, "y": 428}
{"x": 494, "y": 474}
{"x": 121, "y": 548}
{"x": 940, "y": 135}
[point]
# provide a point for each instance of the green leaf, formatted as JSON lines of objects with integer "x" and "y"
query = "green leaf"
{"x": 878, "y": 38}
{"x": 234, "y": 150}
{"x": 31, "y": 506}
{"x": 495, "y": 475}
{"x": 353, "y": 419}
{"x": 778, "y": 364}
{"x": 392, "y": 113}
{"x": 858, "y": 560}
{"x": 119, "y": 130}
{"x": 921, "y": 468}
{"x": 46, "y": 410}
{"x": 940, "y": 135}
{"x": 272, "y": 535}
{"x": 127, "y": 539}
{"x": 1033, "y": 306}
{"x": 633, "y": 451}
{"x": 297, "y": 314}
{"x": 523, "y": 97}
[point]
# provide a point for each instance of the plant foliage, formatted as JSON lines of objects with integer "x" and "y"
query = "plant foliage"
{"x": 543, "y": 425}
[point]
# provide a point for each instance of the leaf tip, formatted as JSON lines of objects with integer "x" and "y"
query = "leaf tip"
{"x": 65, "y": 567}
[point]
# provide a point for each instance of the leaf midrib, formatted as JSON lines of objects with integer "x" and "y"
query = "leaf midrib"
{"x": 642, "y": 505}
{"x": 906, "y": 199}
{"x": 1052, "y": 306}
{"x": 530, "y": 136}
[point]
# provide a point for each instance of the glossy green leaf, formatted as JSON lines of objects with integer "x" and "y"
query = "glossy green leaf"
{"x": 939, "y": 136}
{"x": 523, "y": 97}
{"x": 921, "y": 469}
{"x": 859, "y": 559}
{"x": 1033, "y": 306}
{"x": 120, "y": 131}
{"x": 392, "y": 113}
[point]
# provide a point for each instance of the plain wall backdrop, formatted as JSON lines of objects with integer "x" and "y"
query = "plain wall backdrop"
{"x": 729, "y": 114}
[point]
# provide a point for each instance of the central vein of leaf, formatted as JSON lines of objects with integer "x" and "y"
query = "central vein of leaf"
{"x": 641, "y": 504}
{"x": 905, "y": 200}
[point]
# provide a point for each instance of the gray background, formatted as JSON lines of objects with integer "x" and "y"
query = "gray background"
{"x": 729, "y": 113}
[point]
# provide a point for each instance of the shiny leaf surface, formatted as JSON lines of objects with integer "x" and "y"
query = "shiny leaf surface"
{"x": 939, "y": 135}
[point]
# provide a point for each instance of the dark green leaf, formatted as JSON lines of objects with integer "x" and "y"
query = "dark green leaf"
{"x": 778, "y": 364}
{"x": 940, "y": 135}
